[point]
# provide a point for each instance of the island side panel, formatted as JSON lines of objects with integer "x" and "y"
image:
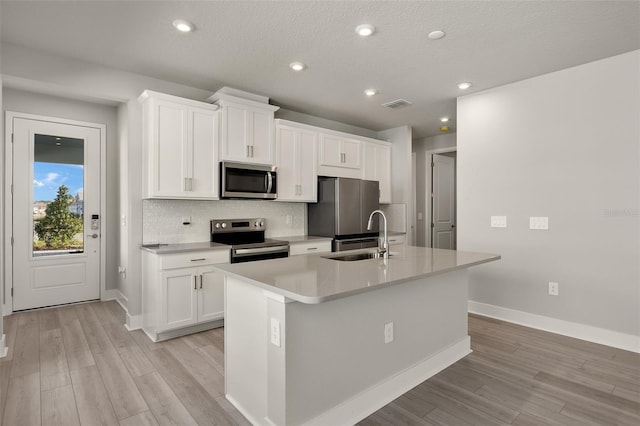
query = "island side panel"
{"x": 336, "y": 350}
{"x": 245, "y": 349}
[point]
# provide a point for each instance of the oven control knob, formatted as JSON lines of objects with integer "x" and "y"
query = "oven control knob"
{"x": 261, "y": 223}
{"x": 256, "y": 224}
{"x": 217, "y": 225}
{"x": 224, "y": 224}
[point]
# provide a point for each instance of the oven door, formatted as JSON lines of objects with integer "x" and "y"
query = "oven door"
{"x": 239, "y": 255}
{"x": 238, "y": 180}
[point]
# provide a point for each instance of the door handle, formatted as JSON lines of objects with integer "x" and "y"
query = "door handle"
{"x": 93, "y": 235}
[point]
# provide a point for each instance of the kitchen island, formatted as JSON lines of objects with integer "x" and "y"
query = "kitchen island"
{"x": 319, "y": 341}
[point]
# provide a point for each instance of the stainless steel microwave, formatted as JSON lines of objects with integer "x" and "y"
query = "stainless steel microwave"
{"x": 242, "y": 180}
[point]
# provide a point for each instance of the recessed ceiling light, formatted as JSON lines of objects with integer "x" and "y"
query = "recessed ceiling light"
{"x": 444, "y": 119}
{"x": 464, "y": 86}
{"x": 365, "y": 30}
{"x": 297, "y": 66}
{"x": 370, "y": 92}
{"x": 436, "y": 35}
{"x": 183, "y": 26}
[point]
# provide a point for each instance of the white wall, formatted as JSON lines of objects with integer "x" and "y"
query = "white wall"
{"x": 53, "y": 106}
{"x": 2, "y": 240}
{"x": 162, "y": 219}
{"x": 563, "y": 145}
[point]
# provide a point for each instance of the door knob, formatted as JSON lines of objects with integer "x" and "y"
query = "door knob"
{"x": 92, "y": 235}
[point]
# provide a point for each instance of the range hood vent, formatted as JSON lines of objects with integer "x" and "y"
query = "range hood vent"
{"x": 398, "y": 103}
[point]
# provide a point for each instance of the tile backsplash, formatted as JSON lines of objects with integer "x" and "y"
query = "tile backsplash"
{"x": 162, "y": 219}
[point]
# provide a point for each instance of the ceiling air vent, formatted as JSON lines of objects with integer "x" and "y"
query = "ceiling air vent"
{"x": 398, "y": 103}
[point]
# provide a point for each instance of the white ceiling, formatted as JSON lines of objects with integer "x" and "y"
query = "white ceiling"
{"x": 248, "y": 45}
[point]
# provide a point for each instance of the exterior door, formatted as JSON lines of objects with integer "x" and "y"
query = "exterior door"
{"x": 443, "y": 202}
{"x": 56, "y": 223}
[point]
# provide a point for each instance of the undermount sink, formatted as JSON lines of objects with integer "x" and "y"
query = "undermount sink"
{"x": 356, "y": 256}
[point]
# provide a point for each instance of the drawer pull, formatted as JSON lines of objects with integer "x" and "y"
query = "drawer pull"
{"x": 195, "y": 282}
{"x": 199, "y": 260}
{"x": 312, "y": 248}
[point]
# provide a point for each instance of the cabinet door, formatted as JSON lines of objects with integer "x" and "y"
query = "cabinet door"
{"x": 350, "y": 153}
{"x": 203, "y": 131}
{"x": 168, "y": 167}
{"x": 235, "y": 139}
{"x": 179, "y": 298}
{"x": 330, "y": 151}
{"x": 261, "y": 136}
{"x": 210, "y": 295}
{"x": 377, "y": 166}
{"x": 307, "y": 166}
{"x": 383, "y": 172}
{"x": 287, "y": 176}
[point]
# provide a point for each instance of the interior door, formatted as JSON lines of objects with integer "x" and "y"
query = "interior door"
{"x": 56, "y": 223}
{"x": 443, "y": 202}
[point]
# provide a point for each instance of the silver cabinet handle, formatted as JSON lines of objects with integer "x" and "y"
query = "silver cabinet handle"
{"x": 248, "y": 151}
{"x": 312, "y": 248}
{"x": 201, "y": 282}
{"x": 93, "y": 235}
{"x": 195, "y": 282}
{"x": 251, "y": 151}
{"x": 188, "y": 184}
{"x": 198, "y": 260}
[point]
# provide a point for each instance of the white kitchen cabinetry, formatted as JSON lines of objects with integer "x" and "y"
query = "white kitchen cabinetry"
{"x": 309, "y": 247}
{"x": 397, "y": 239}
{"x": 180, "y": 144}
{"x": 181, "y": 290}
{"x": 246, "y": 127}
{"x": 296, "y": 160}
{"x": 377, "y": 166}
{"x": 339, "y": 155}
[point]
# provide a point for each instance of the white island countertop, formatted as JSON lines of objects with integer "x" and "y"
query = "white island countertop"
{"x": 315, "y": 279}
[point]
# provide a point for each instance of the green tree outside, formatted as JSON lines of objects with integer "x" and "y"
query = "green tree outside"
{"x": 59, "y": 226}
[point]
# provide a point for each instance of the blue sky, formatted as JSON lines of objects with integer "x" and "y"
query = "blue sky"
{"x": 47, "y": 178}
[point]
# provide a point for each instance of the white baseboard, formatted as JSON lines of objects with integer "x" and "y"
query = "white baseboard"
{"x": 3, "y": 346}
{"x": 372, "y": 399}
{"x": 134, "y": 322}
{"x": 110, "y": 294}
{"x": 627, "y": 342}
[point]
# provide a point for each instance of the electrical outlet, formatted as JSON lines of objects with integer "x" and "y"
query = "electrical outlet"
{"x": 275, "y": 332}
{"x": 498, "y": 221}
{"x": 553, "y": 288}
{"x": 539, "y": 223}
{"x": 388, "y": 332}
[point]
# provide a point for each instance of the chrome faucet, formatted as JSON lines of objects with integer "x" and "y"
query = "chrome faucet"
{"x": 384, "y": 250}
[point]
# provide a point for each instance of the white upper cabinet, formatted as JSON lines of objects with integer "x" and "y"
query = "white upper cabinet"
{"x": 339, "y": 155}
{"x": 246, "y": 127}
{"x": 180, "y": 143}
{"x": 377, "y": 166}
{"x": 296, "y": 148}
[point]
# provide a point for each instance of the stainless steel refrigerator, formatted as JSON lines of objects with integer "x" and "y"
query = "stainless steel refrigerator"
{"x": 342, "y": 212}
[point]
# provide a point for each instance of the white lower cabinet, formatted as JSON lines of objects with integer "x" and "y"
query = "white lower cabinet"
{"x": 309, "y": 247}
{"x": 178, "y": 294}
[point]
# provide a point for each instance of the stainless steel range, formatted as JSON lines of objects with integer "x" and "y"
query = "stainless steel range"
{"x": 247, "y": 241}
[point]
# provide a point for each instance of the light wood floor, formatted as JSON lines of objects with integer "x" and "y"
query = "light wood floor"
{"x": 78, "y": 365}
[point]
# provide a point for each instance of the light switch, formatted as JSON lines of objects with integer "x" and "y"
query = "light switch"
{"x": 275, "y": 332}
{"x": 498, "y": 221}
{"x": 539, "y": 223}
{"x": 419, "y": 215}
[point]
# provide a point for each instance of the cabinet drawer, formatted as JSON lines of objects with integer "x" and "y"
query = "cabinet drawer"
{"x": 397, "y": 239}
{"x": 310, "y": 247}
{"x": 193, "y": 259}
